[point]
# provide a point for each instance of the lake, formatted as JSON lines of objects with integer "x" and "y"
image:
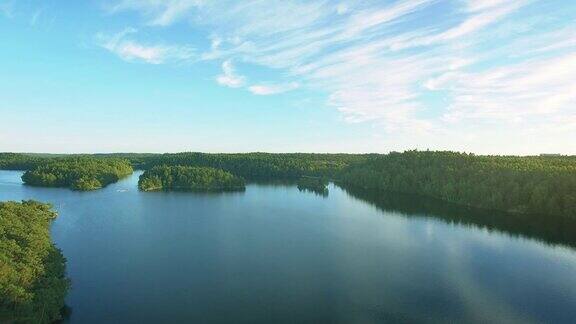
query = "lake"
{"x": 274, "y": 254}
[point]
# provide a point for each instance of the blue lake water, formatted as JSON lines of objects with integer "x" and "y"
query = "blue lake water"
{"x": 273, "y": 254}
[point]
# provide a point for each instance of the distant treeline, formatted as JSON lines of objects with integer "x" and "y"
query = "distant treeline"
{"x": 257, "y": 166}
{"x": 19, "y": 161}
{"x": 32, "y": 270}
{"x": 189, "y": 178}
{"x": 538, "y": 185}
{"x": 78, "y": 173}
{"x": 532, "y": 184}
{"x": 252, "y": 166}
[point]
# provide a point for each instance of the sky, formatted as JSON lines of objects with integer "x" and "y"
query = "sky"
{"x": 482, "y": 76}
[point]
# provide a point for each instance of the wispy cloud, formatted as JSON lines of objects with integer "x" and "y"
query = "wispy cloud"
{"x": 229, "y": 77}
{"x": 371, "y": 18}
{"x": 35, "y": 17}
{"x": 271, "y": 89}
{"x": 7, "y": 8}
{"x": 485, "y": 13}
{"x": 131, "y": 50}
{"x": 383, "y": 61}
{"x": 478, "y": 5}
{"x": 541, "y": 88}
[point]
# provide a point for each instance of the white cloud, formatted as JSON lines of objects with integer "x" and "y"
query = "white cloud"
{"x": 543, "y": 88}
{"x": 476, "y": 22}
{"x": 130, "y": 50}
{"x": 478, "y": 5}
{"x": 270, "y": 89}
{"x": 371, "y": 18}
{"x": 482, "y": 61}
{"x": 229, "y": 77}
{"x": 342, "y": 9}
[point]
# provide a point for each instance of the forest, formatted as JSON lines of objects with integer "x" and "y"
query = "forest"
{"x": 251, "y": 166}
{"x": 518, "y": 184}
{"x": 535, "y": 184}
{"x": 256, "y": 166}
{"x": 28, "y": 161}
{"x": 77, "y": 173}
{"x": 187, "y": 178}
{"x": 32, "y": 270}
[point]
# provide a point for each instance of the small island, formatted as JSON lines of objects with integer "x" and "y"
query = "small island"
{"x": 33, "y": 281}
{"x": 187, "y": 178}
{"x": 81, "y": 174}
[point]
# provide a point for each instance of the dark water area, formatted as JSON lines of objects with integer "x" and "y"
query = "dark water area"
{"x": 274, "y": 254}
{"x": 556, "y": 230}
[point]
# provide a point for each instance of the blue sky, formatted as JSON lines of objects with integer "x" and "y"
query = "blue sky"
{"x": 484, "y": 76}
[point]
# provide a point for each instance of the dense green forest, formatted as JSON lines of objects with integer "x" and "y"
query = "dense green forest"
{"x": 253, "y": 166}
{"x": 189, "y": 178}
{"x": 539, "y": 185}
{"x": 531, "y": 184}
{"x": 258, "y": 166}
{"x": 78, "y": 173}
{"x": 32, "y": 270}
{"x": 19, "y": 161}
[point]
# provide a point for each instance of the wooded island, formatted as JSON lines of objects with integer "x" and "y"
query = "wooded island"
{"x": 77, "y": 173}
{"x": 187, "y": 178}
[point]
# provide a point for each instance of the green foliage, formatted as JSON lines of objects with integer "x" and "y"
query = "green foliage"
{"x": 78, "y": 173}
{"x": 189, "y": 178}
{"x": 254, "y": 166}
{"x": 85, "y": 184}
{"x": 32, "y": 270}
{"x": 150, "y": 182}
{"x": 258, "y": 166}
{"x": 540, "y": 185}
{"x": 17, "y": 161}
{"x": 534, "y": 184}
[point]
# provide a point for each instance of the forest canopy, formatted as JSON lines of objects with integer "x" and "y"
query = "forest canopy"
{"x": 32, "y": 270}
{"x": 519, "y": 184}
{"x": 189, "y": 178}
{"x": 537, "y": 185}
{"x": 258, "y": 166}
{"x": 252, "y": 166}
{"x": 78, "y": 173}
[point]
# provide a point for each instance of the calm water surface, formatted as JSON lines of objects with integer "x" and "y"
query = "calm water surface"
{"x": 273, "y": 254}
